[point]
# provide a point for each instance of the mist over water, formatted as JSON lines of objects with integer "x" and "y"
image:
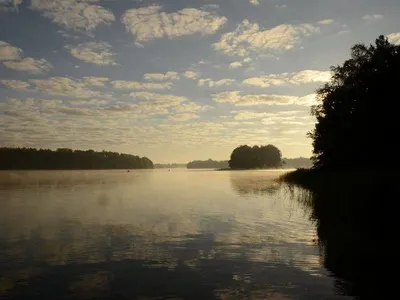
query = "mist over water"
{"x": 182, "y": 234}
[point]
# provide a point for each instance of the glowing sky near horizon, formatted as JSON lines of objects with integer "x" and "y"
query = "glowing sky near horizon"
{"x": 174, "y": 80}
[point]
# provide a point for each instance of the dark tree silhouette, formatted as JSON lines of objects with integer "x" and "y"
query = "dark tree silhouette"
{"x": 246, "y": 157}
{"x": 357, "y": 124}
{"x": 207, "y": 164}
{"x": 45, "y": 159}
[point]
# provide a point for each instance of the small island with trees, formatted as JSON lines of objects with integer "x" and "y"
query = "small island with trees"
{"x": 256, "y": 157}
{"x": 244, "y": 158}
{"x": 68, "y": 159}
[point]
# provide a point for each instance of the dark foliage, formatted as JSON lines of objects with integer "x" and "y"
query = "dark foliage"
{"x": 256, "y": 157}
{"x": 354, "y": 216}
{"x": 208, "y": 164}
{"x": 356, "y": 121}
{"x": 67, "y": 159}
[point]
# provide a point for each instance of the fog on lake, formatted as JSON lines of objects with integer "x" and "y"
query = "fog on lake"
{"x": 179, "y": 234}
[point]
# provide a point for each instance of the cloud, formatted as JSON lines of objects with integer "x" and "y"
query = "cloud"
{"x": 16, "y": 84}
{"x": 12, "y": 59}
{"x": 74, "y": 14}
{"x": 236, "y": 64}
{"x": 161, "y": 77}
{"x": 95, "y": 81}
{"x": 28, "y": 64}
{"x": 191, "y": 75}
{"x": 183, "y": 117}
{"x": 64, "y": 86}
{"x": 249, "y": 37}
{"x": 234, "y": 97}
{"x": 248, "y": 115}
{"x": 373, "y": 17}
{"x": 137, "y": 85}
{"x": 162, "y": 100}
{"x": 211, "y": 83}
{"x": 325, "y": 22}
{"x": 9, "y": 5}
{"x": 149, "y": 23}
{"x": 8, "y": 52}
{"x": 191, "y": 107}
{"x": 254, "y": 2}
{"x": 92, "y": 52}
{"x": 295, "y": 78}
{"x": 394, "y": 38}
{"x": 91, "y": 102}
{"x": 281, "y": 6}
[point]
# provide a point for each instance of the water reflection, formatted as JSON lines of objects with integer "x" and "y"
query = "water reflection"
{"x": 258, "y": 183}
{"x": 352, "y": 213}
{"x": 161, "y": 236}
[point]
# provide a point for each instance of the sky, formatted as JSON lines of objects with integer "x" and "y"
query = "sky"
{"x": 174, "y": 80}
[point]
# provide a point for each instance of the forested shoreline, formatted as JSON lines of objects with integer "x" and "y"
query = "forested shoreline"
{"x": 208, "y": 164}
{"x": 68, "y": 159}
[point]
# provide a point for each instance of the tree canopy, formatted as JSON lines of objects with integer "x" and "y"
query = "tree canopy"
{"x": 256, "y": 157}
{"x": 208, "y": 164}
{"x": 356, "y": 116}
{"x": 67, "y": 159}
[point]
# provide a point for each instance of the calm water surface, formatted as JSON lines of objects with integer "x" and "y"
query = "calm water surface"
{"x": 156, "y": 235}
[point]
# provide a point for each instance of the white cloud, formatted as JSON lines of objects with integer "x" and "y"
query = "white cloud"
{"x": 183, "y": 117}
{"x": 149, "y": 23}
{"x": 91, "y": 102}
{"x": 74, "y": 14}
{"x": 394, "y": 38}
{"x": 373, "y": 17}
{"x": 12, "y": 59}
{"x": 163, "y": 100}
{"x": 28, "y": 64}
{"x": 191, "y": 75}
{"x": 254, "y": 2}
{"x": 249, "y": 37}
{"x": 325, "y": 22}
{"x": 95, "y": 81}
{"x": 211, "y": 83}
{"x": 16, "y": 84}
{"x": 281, "y": 6}
{"x": 8, "y": 52}
{"x": 248, "y": 115}
{"x": 234, "y": 97}
{"x": 92, "y": 52}
{"x": 295, "y": 78}
{"x": 161, "y": 77}
{"x": 191, "y": 107}
{"x": 137, "y": 85}
{"x": 235, "y": 65}
{"x": 9, "y": 5}
{"x": 63, "y": 86}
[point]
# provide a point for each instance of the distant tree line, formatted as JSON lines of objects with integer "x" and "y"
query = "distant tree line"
{"x": 208, "y": 164}
{"x": 67, "y": 159}
{"x": 169, "y": 166}
{"x": 256, "y": 157}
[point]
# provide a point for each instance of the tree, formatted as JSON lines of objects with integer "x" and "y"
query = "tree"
{"x": 245, "y": 157}
{"x": 356, "y": 120}
{"x": 45, "y": 159}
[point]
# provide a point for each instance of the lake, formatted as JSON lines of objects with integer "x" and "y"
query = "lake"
{"x": 155, "y": 234}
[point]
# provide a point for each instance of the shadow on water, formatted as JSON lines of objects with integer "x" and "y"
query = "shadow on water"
{"x": 353, "y": 214}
